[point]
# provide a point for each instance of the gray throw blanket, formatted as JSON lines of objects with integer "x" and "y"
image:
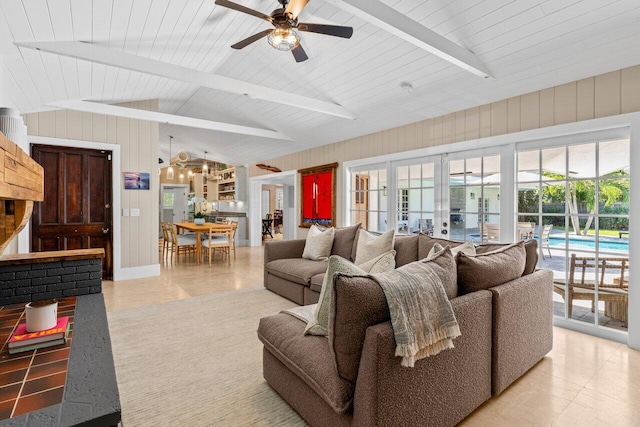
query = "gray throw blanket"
{"x": 421, "y": 315}
{"x": 304, "y": 312}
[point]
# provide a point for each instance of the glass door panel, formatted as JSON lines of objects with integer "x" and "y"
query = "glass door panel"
{"x": 579, "y": 205}
{"x": 415, "y": 197}
{"x": 474, "y": 198}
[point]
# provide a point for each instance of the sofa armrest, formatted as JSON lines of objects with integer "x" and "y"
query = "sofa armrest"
{"x": 522, "y": 326}
{"x": 282, "y": 249}
{"x": 440, "y": 390}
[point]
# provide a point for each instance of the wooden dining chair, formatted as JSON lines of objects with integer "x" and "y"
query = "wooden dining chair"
{"x": 234, "y": 226}
{"x": 166, "y": 240}
{"x": 185, "y": 243}
{"x": 219, "y": 239}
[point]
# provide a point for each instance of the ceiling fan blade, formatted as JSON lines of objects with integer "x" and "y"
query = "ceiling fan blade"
{"x": 299, "y": 54}
{"x": 240, "y": 8}
{"x": 295, "y": 7}
{"x": 330, "y": 30}
{"x": 246, "y": 42}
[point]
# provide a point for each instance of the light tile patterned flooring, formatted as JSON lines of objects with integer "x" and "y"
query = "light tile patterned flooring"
{"x": 583, "y": 381}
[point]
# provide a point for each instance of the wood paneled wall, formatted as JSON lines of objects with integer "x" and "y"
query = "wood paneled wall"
{"x": 138, "y": 140}
{"x": 607, "y": 94}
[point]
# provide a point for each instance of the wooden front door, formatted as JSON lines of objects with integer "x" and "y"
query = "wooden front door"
{"x": 76, "y": 211}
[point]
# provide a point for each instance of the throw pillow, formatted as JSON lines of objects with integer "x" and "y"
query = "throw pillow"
{"x": 344, "y": 240}
{"x": 530, "y": 247}
{"x": 318, "y": 244}
{"x": 372, "y": 245}
{"x": 319, "y": 322}
{"x": 466, "y": 247}
{"x": 484, "y": 271}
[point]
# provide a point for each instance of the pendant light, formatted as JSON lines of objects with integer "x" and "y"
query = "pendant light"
{"x": 181, "y": 177}
{"x": 205, "y": 166}
{"x": 170, "y": 168}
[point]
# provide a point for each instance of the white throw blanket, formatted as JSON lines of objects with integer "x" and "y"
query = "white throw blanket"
{"x": 421, "y": 315}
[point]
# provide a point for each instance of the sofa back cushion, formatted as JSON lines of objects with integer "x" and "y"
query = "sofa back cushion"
{"x": 358, "y": 302}
{"x": 530, "y": 248}
{"x": 489, "y": 269}
{"x": 406, "y": 249}
{"x": 426, "y": 242}
{"x": 344, "y": 240}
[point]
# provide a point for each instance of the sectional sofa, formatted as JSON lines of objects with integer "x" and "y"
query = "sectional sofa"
{"x": 352, "y": 377}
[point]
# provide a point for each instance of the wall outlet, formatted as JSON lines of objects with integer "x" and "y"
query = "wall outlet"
{"x": 125, "y": 212}
{"x": 135, "y": 212}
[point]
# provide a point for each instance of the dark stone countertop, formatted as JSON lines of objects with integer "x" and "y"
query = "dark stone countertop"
{"x": 91, "y": 395}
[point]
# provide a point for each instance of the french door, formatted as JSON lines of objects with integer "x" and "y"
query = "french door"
{"x": 450, "y": 196}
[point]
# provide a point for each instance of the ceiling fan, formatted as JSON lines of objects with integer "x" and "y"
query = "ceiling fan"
{"x": 285, "y": 36}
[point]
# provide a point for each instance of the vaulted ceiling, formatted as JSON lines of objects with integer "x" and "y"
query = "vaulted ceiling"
{"x": 526, "y": 44}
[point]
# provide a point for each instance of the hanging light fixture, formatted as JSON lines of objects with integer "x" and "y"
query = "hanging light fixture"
{"x": 181, "y": 176}
{"x": 190, "y": 174}
{"x": 205, "y": 166}
{"x": 170, "y": 168}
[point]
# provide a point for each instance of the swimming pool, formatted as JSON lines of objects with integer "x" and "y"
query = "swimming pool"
{"x": 589, "y": 243}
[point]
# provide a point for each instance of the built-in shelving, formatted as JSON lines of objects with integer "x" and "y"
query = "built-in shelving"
{"x": 227, "y": 184}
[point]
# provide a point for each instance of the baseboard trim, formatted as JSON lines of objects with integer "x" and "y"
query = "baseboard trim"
{"x": 143, "y": 271}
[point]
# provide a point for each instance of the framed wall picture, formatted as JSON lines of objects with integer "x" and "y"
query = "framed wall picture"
{"x": 136, "y": 181}
{"x": 318, "y": 195}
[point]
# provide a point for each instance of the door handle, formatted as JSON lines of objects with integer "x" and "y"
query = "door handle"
{"x": 105, "y": 231}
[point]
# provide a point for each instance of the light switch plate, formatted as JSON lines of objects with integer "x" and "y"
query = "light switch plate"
{"x": 135, "y": 212}
{"x": 125, "y": 212}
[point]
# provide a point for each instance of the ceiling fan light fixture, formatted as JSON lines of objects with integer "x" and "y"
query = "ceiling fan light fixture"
{"x": 284, "y": 38}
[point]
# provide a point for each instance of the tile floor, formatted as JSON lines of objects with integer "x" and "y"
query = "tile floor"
{"x": 583, "y": 381}
{"x": 33, "y": 379}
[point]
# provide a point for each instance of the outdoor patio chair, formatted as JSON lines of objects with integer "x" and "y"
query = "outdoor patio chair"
{"x": 544, "y": 239}
{"x": 613, "y": 287}
{"x": 489, "y": 232}
{"x": 525, "y": 230}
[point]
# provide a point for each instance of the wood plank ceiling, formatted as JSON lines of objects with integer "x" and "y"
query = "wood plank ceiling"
{"x": 526, "y": 44}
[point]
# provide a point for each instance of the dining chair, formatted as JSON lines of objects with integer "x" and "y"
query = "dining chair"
{"x": 166, "y": 240}
{"x": 234, "y": 226}
{"x": 185, "y": 243}
{"x": 219, "y": 239}
{"x": 544, "y": 239}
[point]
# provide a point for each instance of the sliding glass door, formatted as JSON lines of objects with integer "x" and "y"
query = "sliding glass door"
{"x": 576, "y": 198}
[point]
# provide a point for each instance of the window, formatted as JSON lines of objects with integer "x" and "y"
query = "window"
{"x": 474, "y": 199}
{"x": 279, "y": 198}
{"x": 368, "y": 199}
{"x": 168, "y": 199}
{"x": 577, "y": 199}
{"x": 415, "y": 185}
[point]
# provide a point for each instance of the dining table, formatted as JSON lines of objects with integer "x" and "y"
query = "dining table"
{"x": 207, "y": 227}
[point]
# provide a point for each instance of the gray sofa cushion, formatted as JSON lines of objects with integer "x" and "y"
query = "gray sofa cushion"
{"x": 348, "y": 326}
{"x": 530, "y": 248}
{"x": 344, "y": 241}
{"x": 406, "y": 249}
{"x": 308, "y": 357}
{"x": 317, "y": 281}
{"x": 490, "y": 269}
{"x": 297, "y": 270}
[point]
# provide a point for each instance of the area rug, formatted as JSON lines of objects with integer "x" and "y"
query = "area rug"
{"x": 197, "y": 362}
